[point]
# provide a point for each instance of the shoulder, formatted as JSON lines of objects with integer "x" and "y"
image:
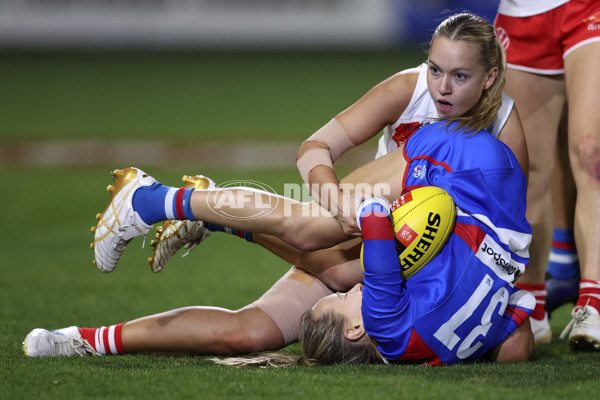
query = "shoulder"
{"x": 403, "y": 81}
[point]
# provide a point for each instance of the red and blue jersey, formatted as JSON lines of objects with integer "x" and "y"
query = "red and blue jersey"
{"x": 462, "y": 303}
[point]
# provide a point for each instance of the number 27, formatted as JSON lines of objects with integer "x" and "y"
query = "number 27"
{"x": 446, "y": 334}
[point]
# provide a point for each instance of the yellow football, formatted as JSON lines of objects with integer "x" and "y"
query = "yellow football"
{"x": 423, "y": 220}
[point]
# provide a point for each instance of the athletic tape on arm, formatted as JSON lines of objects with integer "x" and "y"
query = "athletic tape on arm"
{"x": 334, "y": 136}
{"x": 311, "y": 159}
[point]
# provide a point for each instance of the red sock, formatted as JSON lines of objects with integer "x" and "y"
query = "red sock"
{"x": 539, "y": 292}
{"x": 104, "y": 340}
{"x": 589, "y": 293}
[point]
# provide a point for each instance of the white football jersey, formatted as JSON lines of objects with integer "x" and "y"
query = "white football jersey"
{"x": 421, "y": 109}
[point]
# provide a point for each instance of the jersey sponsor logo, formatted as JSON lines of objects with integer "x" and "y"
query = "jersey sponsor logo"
{"x": 503, "y": 37}
{"x": 404, "y": 237}
{"x": 499, "y": 260}
{"x": 402, "y": 200}
{"x": 419, "y": 172}
{"x": 404, "y": 131}
{"x": 593, "y": 22}
{"x": 429, "y": 234}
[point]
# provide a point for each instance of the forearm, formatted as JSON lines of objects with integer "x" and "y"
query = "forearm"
{"x": 315, "y": 160}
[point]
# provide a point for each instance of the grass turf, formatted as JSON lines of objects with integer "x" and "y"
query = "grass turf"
{"x": 48, "y": 281}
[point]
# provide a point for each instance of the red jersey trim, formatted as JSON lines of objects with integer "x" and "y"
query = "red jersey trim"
{"x": 417, "y": 352}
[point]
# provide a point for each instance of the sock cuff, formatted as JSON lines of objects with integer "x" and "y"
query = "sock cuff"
{"x": 118, "y": 341}
{"x": 563, "y": 239}
{"x": 372, "y": 205}
{"x": 181, "y": 208}
{"x": 532, "y": 287}
{"x": 105, "y": 340}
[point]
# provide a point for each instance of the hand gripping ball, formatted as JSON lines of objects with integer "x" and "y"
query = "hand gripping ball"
{"x": 423, "y": 220}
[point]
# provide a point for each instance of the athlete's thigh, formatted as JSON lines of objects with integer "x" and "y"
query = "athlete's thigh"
{"x": 583, "y": 85}
{"x": 383, "y": 175}
{"x": 539, "y": 100}
{"x": 287, "y": 300}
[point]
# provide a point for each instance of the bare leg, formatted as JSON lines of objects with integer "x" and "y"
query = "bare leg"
{"x": 333, "y": 266}
{"x": 562, "y": 272}
{"x": 540, "y": 101}
{"x": 303, "y": 225}
{"x": 564, "y": 193}
{"x": 202, "y": 330}
{"x": 267, "y": 324}
{"x": 583, "y": 82}
{"x": 515, "y": 348}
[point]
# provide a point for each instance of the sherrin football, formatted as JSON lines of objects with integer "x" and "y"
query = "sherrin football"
{"x": 423, "y": 220}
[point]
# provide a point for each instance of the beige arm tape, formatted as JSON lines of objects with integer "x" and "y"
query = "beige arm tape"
{"x": 334, "y": 136}
{"x": 311, "y": 159}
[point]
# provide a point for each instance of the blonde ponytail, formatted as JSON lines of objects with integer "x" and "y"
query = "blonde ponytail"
{"x": 323, "y": 342}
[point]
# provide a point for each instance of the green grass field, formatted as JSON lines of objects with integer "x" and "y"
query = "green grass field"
{"x": 48, "y": 279}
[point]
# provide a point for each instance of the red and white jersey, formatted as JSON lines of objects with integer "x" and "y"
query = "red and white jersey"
{"x": 421, "y": 111}
{"x": 527, "y": 8}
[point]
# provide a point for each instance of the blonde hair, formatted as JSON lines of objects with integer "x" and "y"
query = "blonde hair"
{"x": 323, "y": 342}
{"x": 476, "y": 30}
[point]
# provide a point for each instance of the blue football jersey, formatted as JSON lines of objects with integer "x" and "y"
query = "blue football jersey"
{"x": 463, "y": 302}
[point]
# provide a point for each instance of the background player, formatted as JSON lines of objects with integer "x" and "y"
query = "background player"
{"x": 545, "y": 68}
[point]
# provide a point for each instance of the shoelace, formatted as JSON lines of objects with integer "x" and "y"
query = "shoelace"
{"x": 65, "y": 346}
{"x": 579, "y": 315}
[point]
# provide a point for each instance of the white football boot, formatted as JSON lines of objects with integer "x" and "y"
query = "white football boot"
{"x": 171, "y": 236}
{"x": 541, "y": 330}
{"x": 119, "y": 223}
{"x": 585, "y": 329}
{"x": 61, "y": 342}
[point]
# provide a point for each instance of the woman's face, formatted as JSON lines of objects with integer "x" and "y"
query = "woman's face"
{"x": 348, "y": 304}
{"x": 455, "y": 77}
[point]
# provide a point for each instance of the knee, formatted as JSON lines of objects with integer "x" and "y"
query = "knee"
{"x": 249, "y": 331}
{"x": 298, "y": 232}
{"x": 586, "y": 156}
{"x": 342, "y": 277}
{"x": 240, "y": 342}
{"x": 518, "y": 346}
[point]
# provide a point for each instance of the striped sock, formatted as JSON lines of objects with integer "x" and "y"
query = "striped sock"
{"x": 231, "y": 231}
{"x": 160, "y": 203}
{"x": 589, "y": 293}
{"x": 539, "y": 292}
{"x": 563, "y": 262}
{"x": 104, "y": 340}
